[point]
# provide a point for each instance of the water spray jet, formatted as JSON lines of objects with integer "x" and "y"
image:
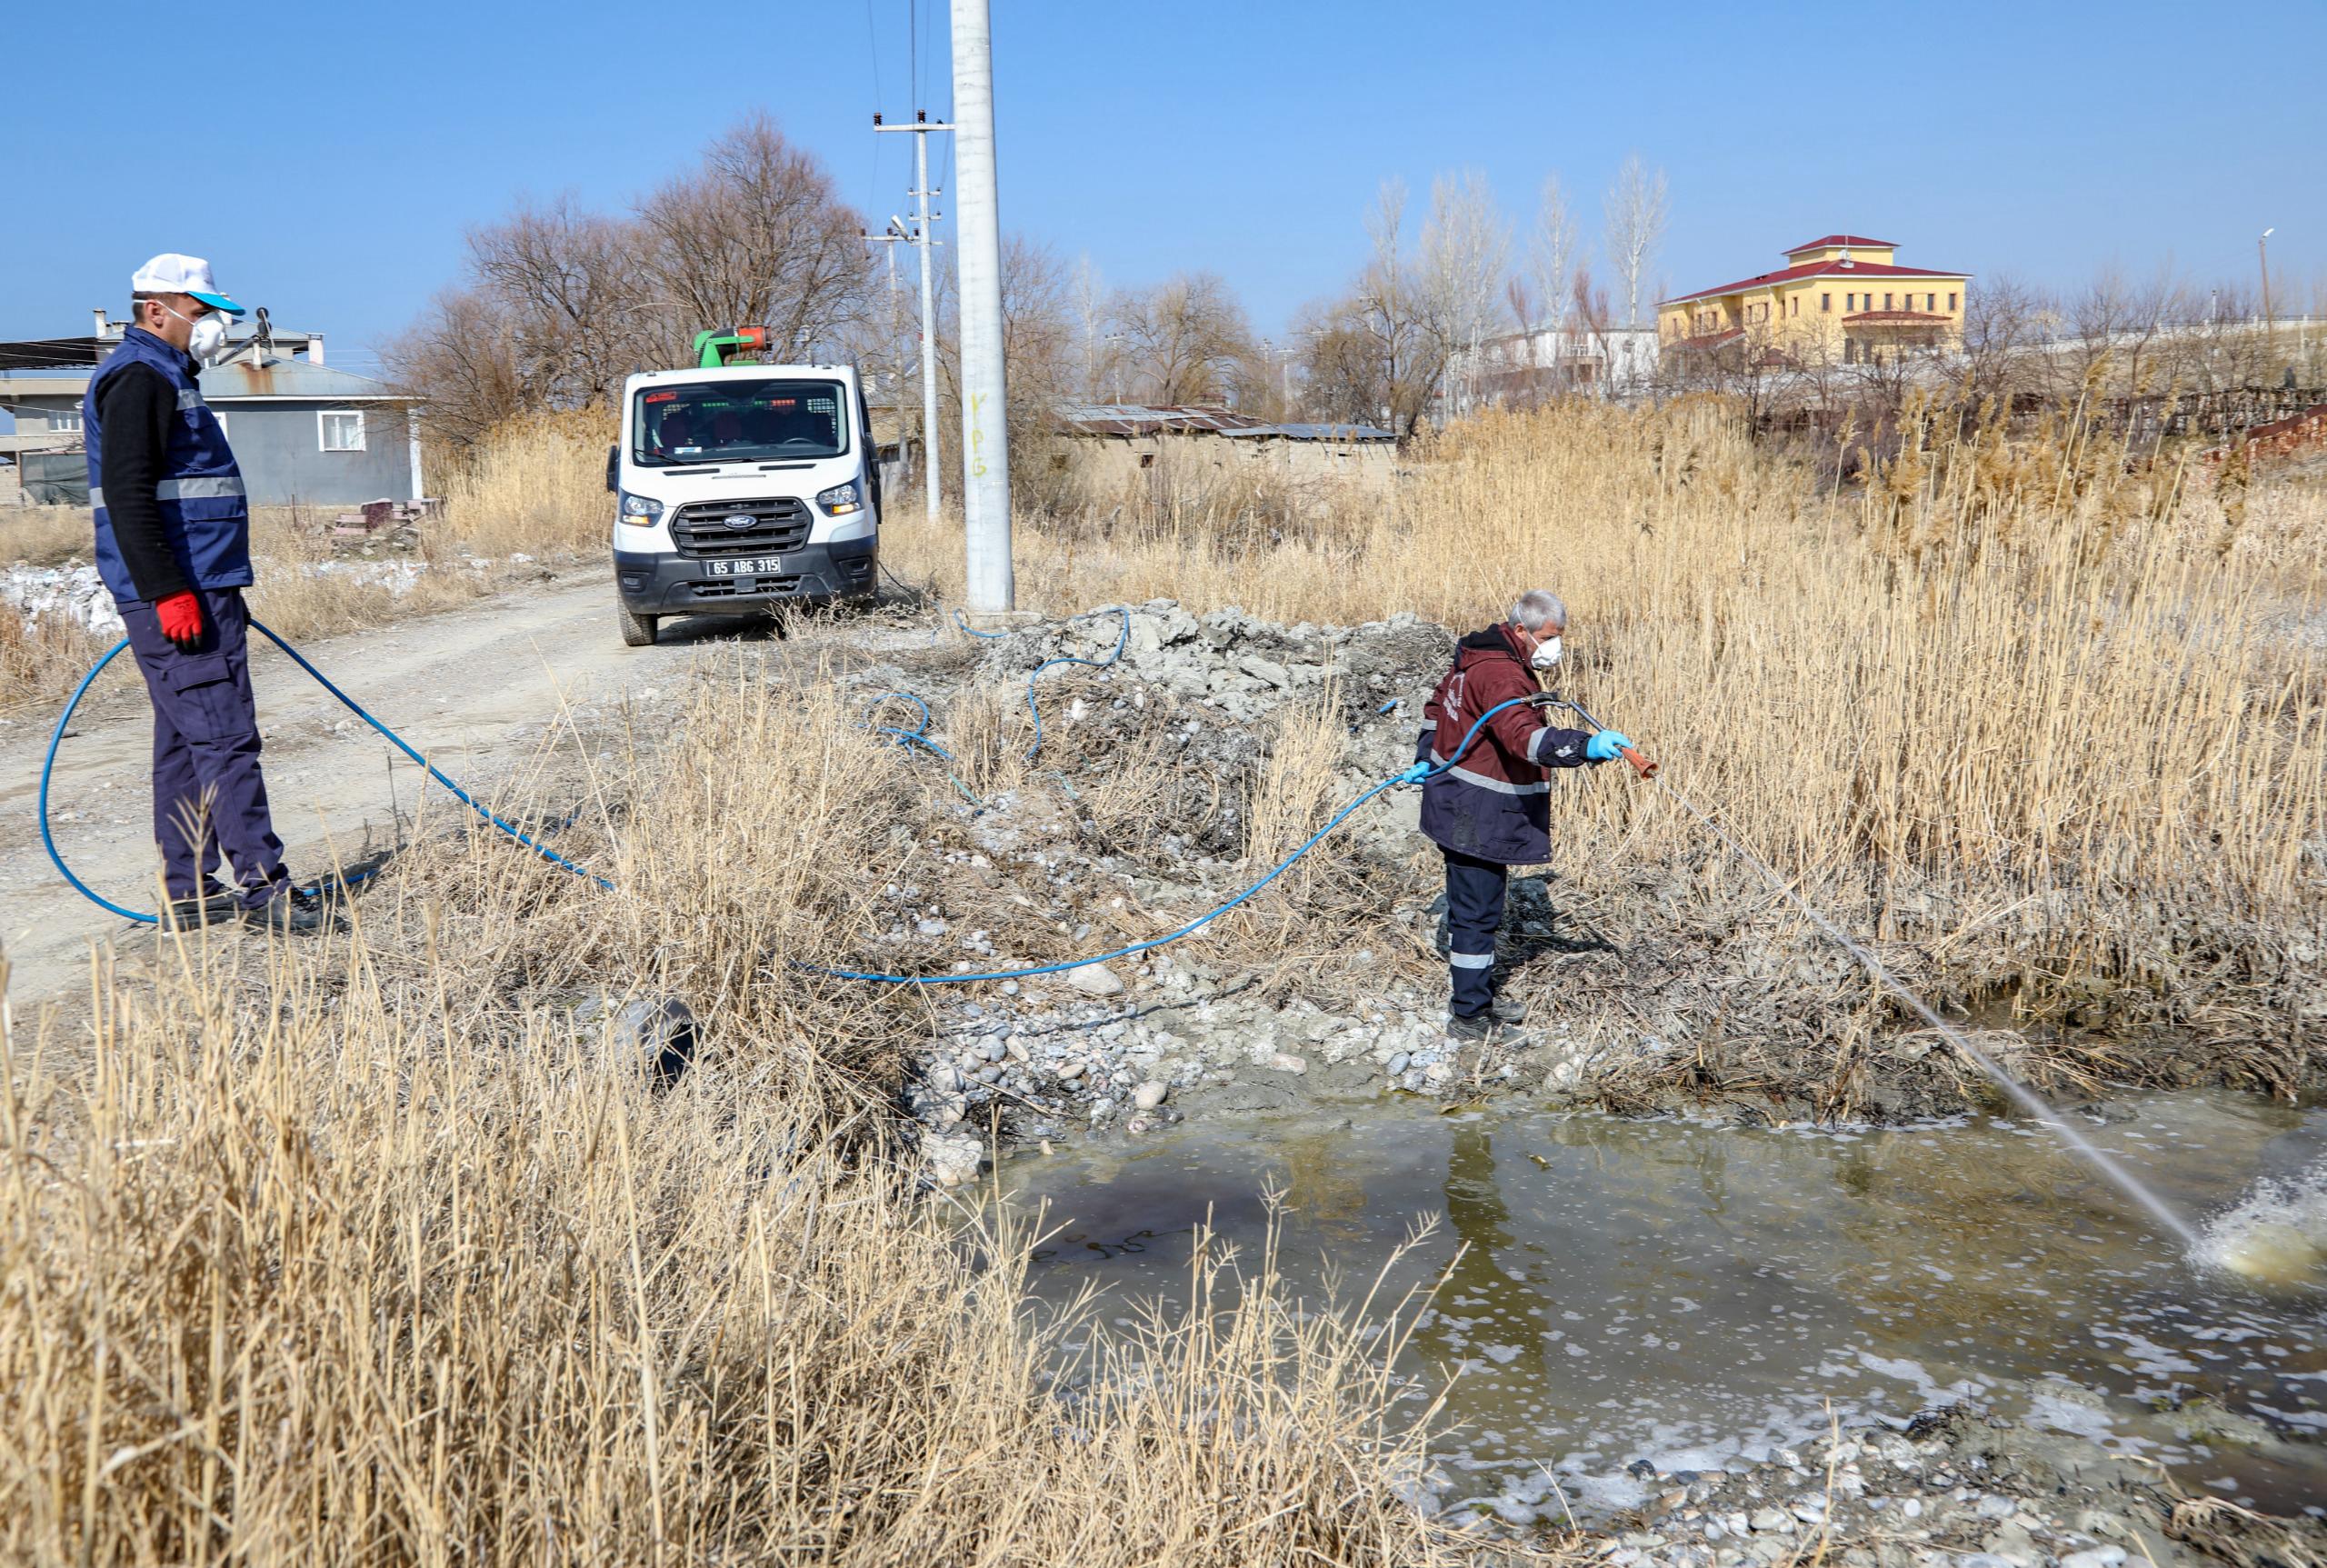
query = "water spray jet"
{"x": 2027, "y": 1099}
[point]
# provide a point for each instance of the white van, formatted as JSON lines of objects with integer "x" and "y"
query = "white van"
{"x": 742, "y": 490}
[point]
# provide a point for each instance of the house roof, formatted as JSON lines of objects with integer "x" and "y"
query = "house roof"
{"x": 1843, "y": 240}
{"x": 1813, "y": 269}
{"x": 294, "y": 378}
{"x": 238, "y": 380}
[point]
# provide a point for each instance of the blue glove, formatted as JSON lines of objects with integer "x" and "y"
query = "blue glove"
{"x": 1606, "y": 746}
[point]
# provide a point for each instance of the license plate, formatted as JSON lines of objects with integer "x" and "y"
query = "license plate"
{"x": 747, "y": 565}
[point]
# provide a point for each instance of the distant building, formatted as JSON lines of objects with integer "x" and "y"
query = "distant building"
{"x": 1522, "y": 368}
{"x": 1840, "y": 298}
{"x": 304, "y": 433}
{"x": 1113, "y": 445}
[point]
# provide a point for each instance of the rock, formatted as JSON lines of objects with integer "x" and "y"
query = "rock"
{"x": 943, "y": 1077}
{"x": 1398, "y": 1064}
{"x": 953, "y": 1161}
{"x": 1773, "y": 1520}
{"x": 1067, "y": 1072}
{"x": 2096, "y": 1557}
{"x": 1094, "y": 980}
{"x": 1281, "y": 1062}
{"x": 662, "y": 1029}
{"x": 1150, "y": 1094}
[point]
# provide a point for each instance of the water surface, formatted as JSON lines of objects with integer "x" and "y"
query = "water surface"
{"x": 1697, "y": 1295}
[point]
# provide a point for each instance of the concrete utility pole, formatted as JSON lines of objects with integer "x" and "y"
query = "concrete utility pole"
{"x": 986, "y": 439}
{"x": 932, "y": 486}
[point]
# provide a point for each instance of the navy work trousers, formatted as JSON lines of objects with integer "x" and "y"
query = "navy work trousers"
{"x": 1474, "y": 895}
{"x": 208, "y": 795}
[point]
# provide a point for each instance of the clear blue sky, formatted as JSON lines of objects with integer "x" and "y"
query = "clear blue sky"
{"x": 328, "y": 157}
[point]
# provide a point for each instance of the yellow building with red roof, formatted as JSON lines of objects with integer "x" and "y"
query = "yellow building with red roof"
{"x": 1841, "y": 297}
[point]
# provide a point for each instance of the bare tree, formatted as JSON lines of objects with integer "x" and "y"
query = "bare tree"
{"x": 1555, "y": 252}
{"x": 757, "y": 234}
{"x": 2118, "y": 319}
{"x": 559, "y": 305}
{"x": 1186, "y": 338}
{"x": 570, "y": 282}
{"x": 1635, "y": 213}
{"x": 2004, "y": 355}
{"x": 463, "y": 355}
{"x": 1091, "y": 320}
{"x": 1371, "y": 355}
{"x": 1465, "y": 258}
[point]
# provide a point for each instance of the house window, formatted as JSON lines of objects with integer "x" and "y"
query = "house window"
{"x": 1826, "y": 301}
{"x": 340, "y": 430}
{"x": 1849, "y": 301}
{"x": 1931, "y": 302}
{"x": 1886, "y": 302}
{"x": 1951, "y": 302}
{"x": 65, "y": 421}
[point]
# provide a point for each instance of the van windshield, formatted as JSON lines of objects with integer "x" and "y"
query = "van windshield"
{"x": 771, "y": 421}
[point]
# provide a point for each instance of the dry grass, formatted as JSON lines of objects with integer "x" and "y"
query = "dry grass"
{"x": 367, "y": 1254}
{"x": 2030, "y": 700}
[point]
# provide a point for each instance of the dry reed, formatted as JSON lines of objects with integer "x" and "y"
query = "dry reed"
{"x": 364, "y": 1250}
{"x": 2014, "y": 701}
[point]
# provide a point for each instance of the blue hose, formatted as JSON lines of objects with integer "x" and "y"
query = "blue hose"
{"x": 1415, "y": 774}
{"x": 48, "y": 765}
{"x": 916, "y": 736}
{"x": 1122, "y": 640}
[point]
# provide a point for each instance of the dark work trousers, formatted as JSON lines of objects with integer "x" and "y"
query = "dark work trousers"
{"x": 208, "y": 795}
{"x": 1474, "y": 891}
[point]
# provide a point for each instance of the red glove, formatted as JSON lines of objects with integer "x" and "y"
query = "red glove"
{"x": 181, "y": 618}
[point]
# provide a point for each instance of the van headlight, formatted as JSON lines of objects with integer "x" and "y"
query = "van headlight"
{"x": 641, "y": 511}
{"x": 841, "y": 500}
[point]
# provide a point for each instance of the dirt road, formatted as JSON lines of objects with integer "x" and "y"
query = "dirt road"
{"x": 474, "y": 689}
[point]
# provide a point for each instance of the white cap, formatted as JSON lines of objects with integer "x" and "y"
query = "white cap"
{"x": 171, "y": 273}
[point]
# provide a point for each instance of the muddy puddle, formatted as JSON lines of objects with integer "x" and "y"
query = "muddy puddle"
{"x": 1700, "y": 1297}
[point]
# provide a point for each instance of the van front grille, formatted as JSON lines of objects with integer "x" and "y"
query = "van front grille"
{"x": 706, "y": 529}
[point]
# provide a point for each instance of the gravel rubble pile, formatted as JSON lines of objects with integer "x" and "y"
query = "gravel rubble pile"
{"x": 1956, "y": 1486}
{"x": 72, "y": 593}
{"x": 1134, "y": 1043}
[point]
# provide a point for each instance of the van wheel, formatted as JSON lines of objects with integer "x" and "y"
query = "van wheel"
{"x": 637, "y": 631}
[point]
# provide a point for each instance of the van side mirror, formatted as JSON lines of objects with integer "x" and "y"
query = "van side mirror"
{"x": 614, "y": 467}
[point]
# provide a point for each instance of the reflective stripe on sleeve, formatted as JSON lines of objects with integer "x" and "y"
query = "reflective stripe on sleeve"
{"x": 189, "y": 397}
{"x": 198, "y": 489}
{"x": 1471, "y": 960}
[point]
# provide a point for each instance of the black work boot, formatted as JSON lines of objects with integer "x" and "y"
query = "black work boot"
{"x": 293, "y": 911}
{"x": 1508, "y": 1010}
{"x": 1478, "y": 1030}
{"x": 215, "y": 905}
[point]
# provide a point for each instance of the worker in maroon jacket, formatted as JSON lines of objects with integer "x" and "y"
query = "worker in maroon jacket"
{"x": 1488, "y": 808}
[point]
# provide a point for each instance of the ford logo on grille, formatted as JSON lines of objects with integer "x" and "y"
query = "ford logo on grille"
{"x": 740, "y": 519}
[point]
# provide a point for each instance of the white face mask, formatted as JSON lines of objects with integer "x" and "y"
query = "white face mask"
{"x": 208, "y": 339}
{"x": 1546, "y": 654}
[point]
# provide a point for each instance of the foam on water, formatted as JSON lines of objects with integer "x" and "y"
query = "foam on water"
{"x": 2275, "y": 1236}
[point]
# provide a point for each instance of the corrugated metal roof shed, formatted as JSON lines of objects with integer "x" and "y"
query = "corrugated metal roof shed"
{"x": 1139, "y": 419}
{"x": 1301, "y": 431}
